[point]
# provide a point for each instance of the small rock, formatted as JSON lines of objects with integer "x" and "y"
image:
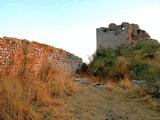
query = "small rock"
{"x": 155, "y": 90}
{"x": 81, "y": 81}
{"x": 99, "y": 85}
{"x": 112, "y": 116}
{"x": 139, "y": 82}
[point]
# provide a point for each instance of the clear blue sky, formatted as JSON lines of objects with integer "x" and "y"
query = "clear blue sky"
{"x": 71, "y": 24}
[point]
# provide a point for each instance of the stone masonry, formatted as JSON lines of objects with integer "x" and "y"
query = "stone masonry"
{"x": 117, "y": 35}
{"x": 15, "y": 54}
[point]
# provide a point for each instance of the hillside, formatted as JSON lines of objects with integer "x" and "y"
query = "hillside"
{"x": 37, "y": 82}
{"x": 33, "y": 79}
{"x": 139, "y": 61}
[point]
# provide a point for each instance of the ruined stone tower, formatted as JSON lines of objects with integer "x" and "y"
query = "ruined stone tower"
{"x": 116, "y": 35}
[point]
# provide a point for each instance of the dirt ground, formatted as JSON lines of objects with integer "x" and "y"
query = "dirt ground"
{"x": 110, "y": 102}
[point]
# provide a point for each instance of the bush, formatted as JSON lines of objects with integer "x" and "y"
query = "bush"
{"x": 103, "y": 60}
{"x": 147, "y": 47}
{"x": 140, "y": 62}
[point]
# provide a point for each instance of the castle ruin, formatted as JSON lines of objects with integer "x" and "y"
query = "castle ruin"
{"x": 117, "y": 35}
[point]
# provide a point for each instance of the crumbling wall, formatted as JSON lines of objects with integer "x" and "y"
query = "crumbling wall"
{"x": 116, "y": 35}
{"x": 21, "y": 57}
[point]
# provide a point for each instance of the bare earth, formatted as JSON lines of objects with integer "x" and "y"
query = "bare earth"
{"x": 109, "y": 103}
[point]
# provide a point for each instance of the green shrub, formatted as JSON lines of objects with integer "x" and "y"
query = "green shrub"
{"x": 140, "y": 62}
{"x": 147, "y": 47}
{"x": 103, "y": 61}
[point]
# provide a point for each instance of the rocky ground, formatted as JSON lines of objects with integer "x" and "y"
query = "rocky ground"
{"x": 97, "y": 101}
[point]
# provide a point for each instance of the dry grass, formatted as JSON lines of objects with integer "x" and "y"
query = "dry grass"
{"x": 113, "y": 100}
{"x": 22, "y": 99}
{"x": 126, "y": 83}
{"x": 140, "y": 94}
{"x": 135, "y": 92}
{"x": 31, "y": 94}
{"x": 16, "y": 101}
{"x": 58, "y": 82}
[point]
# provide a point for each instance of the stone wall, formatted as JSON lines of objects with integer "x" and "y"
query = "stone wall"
{"x": 115, "y": 35}
{"x": 24, "y": 57}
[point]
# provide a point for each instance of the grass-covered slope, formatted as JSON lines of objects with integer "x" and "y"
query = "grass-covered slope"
{"x": 140, "y": 62}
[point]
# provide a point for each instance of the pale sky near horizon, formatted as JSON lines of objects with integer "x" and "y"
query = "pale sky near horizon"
{"x": 71, "y": 24}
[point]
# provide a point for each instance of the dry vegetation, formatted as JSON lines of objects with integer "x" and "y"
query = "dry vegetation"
{"x": 114, "y": 101}
{"x": 139, "y": 62}
{"x": 38, "y": 96}
{"x": 27, "y": 99}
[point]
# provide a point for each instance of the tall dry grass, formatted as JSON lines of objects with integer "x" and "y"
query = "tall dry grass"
{"x": 58, "y": 81}
{"x": 23, "y": 99}
{"x": 16, "y": 100}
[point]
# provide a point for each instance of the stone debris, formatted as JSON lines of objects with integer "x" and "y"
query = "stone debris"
{"x": 155, "y": 90}
{"x": 110, "y": 115}
{"x": 81, "y": 81}
{"x": 139, "y": 82}
{"x": 100, "y": 85}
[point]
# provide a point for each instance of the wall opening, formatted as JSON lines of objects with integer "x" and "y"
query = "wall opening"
{"x": 104, "y": 30}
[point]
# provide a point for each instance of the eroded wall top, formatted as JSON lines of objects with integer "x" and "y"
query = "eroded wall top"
{"x": 21, "y": 56}
{"x": 114, "y": 35}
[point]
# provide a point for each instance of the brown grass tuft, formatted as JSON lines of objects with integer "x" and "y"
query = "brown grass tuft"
{"x": 126, "y": 83}
{"x": 22, "y": 99}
